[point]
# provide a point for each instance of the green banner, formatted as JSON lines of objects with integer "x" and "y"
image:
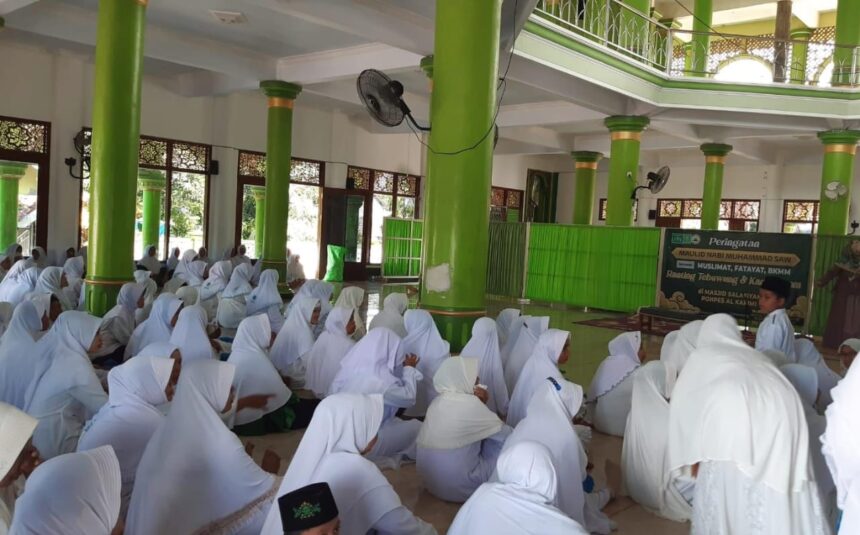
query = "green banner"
{"x": 715, "y": 271}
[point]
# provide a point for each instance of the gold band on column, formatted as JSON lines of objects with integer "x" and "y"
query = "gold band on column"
{"x": 586, "y": 165}
{"x": 715, "y": 159}
{"x": 841, "y": 147}
{"x": 280, "y": 102}
{"x": 621, "y": 136}
{"x": 105, "y": 283}
{"x": 463, "y": 314}
{"x": 142, "y": 2}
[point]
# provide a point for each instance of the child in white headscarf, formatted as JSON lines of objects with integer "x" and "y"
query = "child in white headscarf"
{"x": 150, "y": 260}
{"x": 295, "y": 338}
{"x": 38, "y": 258}
{"x": 65, "y": 392}
{"x": 681, "y": 345}
{"x": 232, "y": 308}
{"x": 131, "y": 416}
{"x": 173, "y": 260}
{"x": 52, "y": 281}
{"x": 504, "y": 322}
{"x": 73, "y": 269}
{"x": 523, "y": 500}
{"x": 20, "y": 281}
{"x": 119, "y": 323}
{"x": 17, "y": 348}
{"x": 423, "y": 340}
{"x": 150, "y": 289}
{"x": 18, "y": 458}
{"x": 484, "y": 345}
{"x": 209, "y": 293}
{"x": 158, "y": 327}
{"x": 552, "y": 350}
{"x": 92, "y": 509}
{"x": 266, "y": 299}
{"x": 612, "y": 386}
{"x": 343, "y": 429}
{"x": 352, "y": 297}
{"x": 530, "y": 331}
{"x": 324, "y": 359}
{"x": 391, "y": 316}
{"x": 809, "y": 356}
{"x": 190, "y": 335}
{"x": 195, "y": 476}
{"x": 461, "y": 438}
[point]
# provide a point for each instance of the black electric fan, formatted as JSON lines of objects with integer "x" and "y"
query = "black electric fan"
{"x": 384, "y": 99}
{"x": 656, "y": 181}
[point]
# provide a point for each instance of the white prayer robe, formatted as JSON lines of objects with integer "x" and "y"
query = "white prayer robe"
{"x": 131, "y": 416}
{"x": 542, "y": 364}
{"x": 266, "y": 299}
{"x": 808, "y": 355}
{"x": 190, "y": 336}
{"x": 735, "y": 416}
{"x": 523, "y": 500}
{"x": 74, "y": 271}
{"x": 231, "y": 307}
{"x": 119, "y": 323}
{"x": 342, "y": 427}
{"x": 776, "y": 333}
{"x": 66, "y": 391}
{"x": 504, "y": 322}
{"x": 209, "y": 294}
{"x": 17, "y": 353}
{"x": 425, "y": 342}
{"x": 294, "y": 339}
{"x": 195, "y": 476}
{"x": 321, "y": 290}
{"x": 20, "y": 281}
{"x": 150, "y": 289}
{"x": 150, "y": 259}
{"x": 612, "y": 386}
{"x": 530, "y": 332}
{"x": 484, "y": 345}
{"x": 391, "y": 315}
{"x": 157, "y": 327}
{"x": 16, "y": 428}
{"x": 352, "y": 297}
{"x": 461, "y": 438}
{"x": 324, "y": 359}
{"x": 681, "y": 346}
{"x": 50, "y": 283}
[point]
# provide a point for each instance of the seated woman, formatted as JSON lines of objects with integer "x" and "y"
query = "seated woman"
{"x": 52, "y": 281}
{"x": 150, "y": 261}
{"x": 484, "y": 345}
{"x": 521, "y": 502}
{"x": 371, "y": 367}
{"x": 191, "y": 338}
{"x": 461, "y": 438}
{"x": 18, "y": 458}
{"x": 324, "y": 359}
{"x": 808, "y": 355}
{"x": 74, "y": 269}
{"x": 266, "y": 299}
{"x": 150, "y": 289}
{"x": 552, "y": 350}
{"x": 231, "y": 307}
{"x": 157, "y": 327}
{"x": 611, "y": 388}
{"x": 679, "y": 345}
{"x": 352, "y": 297}
{"x": 332, "y": 450}
{"x": 195, "y": 476}
{"x": 18, "y": 282}
{"x": 643, "y": 457}
{"x": 209, "y": 293}
{"x": 504, "y": 322}
{"x": 391, "y": 315}
{"x": 92, "y": 509}
{"x": 424, "y": 341}
{"x": 533, "y": 327}
{"x": 295, "y": 338}
{"x": 130, "y": 417}
{"x": 119, "y": 323}
{"x": 17, "y": 347}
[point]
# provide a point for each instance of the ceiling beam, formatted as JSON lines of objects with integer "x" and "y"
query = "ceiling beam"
{"x": 341, "y": 63}
{"x": 8, "y": 6}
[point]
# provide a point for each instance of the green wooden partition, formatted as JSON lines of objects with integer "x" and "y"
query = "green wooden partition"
{"x": 609, "y": 268}
{"x": 401, "y": 247}
{"x": 828, "y": 251}
{"x": 507, "y": 254}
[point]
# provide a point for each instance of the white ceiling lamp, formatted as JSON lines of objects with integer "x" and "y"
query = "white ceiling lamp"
{"x": 835, "y": 190}
{"x": 228, "y": 17}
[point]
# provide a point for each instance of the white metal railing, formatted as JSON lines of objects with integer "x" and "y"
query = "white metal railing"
{"x": 683, "y": 53}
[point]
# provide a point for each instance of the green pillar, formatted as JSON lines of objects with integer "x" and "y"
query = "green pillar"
{"x": 10, "y": 176}
{"x": 799, "y": 53}
{"x": 281, "y": 95}
{"x": 586, "y": 174}
{"x": 115, "y": 145}
{"x": 634, "y": 26}
{"x": 688, "y": 58}
{"x": 152, "y": 184}
{"x": 626, "y": 134}
{"x": 845, "y": 55}
{"x": 712, "y": 191}
{"x": 259, "y": 193}
{"x": 457, "y": 194}
{"x": 839, "y": 148}
{"x": 701, "y": 41}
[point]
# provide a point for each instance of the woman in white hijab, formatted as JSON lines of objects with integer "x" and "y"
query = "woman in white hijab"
{"x": 173, "y": 260}
{"x": 461, "y": 438}
{"x": 195, "y": 476}
{"x": 296, "y": 338}
{"x": 241, "y": 257}
{"x": 840, "y": 445}
{"x": 848, "y": 353}
{"x": 18, "y": 458}
{"x": 257, "y": 376}
{"x": 158, "y": 327}
{"x": 522, "y": 501}
{"x": 321, "y": 290}
{"x": 517, "y": 324}
{"x": 552, "y": 350}
{"x": 737, "y": 426}
{"x": 484, "y": 345}
{"x": 92, "y": 508}
{"x": 342, "y": 431}
{"x": 231, "y": 307}
{"x": 20, "y": 281}
{"x": 52, "y": 281}
{"x": 209, "y": 294}
{"x": 266, "y": 299}
{"x": 17, "y": 350}
{"x": 119, "y": 323}
{"x": 643, "y": 457}
{"x": 190, "y": 336}
{"x": 131, "y": 416}
{"x": 423, "y": 340}
{"x": 805, "y": 382}
{"x": 195, "y": 273}
{"x": 181, "y": 274}
{"x": 150, "y": 289}
{"x": 376, "y": 365}
{"x": 827, "y": 378}
{"x": 504, "y": 322}
{"x": 353, "y": 297}
{"x": 533, "y": 327}
{"x": 324, "y": 359}
{"x": 681, "y": 346}
{"x": 150, "y": 260}
{"x": 612, "y": 386}
{"x": 65, "y": 392}
{"x": 391, "y": 315}
{"x": 38, "y": 258}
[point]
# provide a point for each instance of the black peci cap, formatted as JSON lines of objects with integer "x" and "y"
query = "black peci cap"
{"x": 307, "y": 507}
{"x": 780, "y": 287}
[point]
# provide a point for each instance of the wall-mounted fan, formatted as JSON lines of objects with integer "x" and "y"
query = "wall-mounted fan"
{"x": 835, "y": 190}
{"x": 384, "y": 99}
{"x": 656, "y": 181}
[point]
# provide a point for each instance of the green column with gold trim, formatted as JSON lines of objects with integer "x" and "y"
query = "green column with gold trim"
{"x": 259, "y": 193}
{"x": 846, "y": 58}
{"x": 457, "y": 193}
{"x": 115, "y": 144}
{"x": 10, "y": 177}
{"x": 626, "y": 135}
{"x": 701, "y": 40}
{"x": 838, "y": 169}
{"x": 712, "y": 190}
{"x": 152, "y": 184}
{"x": 586, "y": 175}
{"x": 279, "y": 142}
{"x": 799, "y": 54}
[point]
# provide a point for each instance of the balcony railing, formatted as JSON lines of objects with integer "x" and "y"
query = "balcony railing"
{"x": 683, "y": 53}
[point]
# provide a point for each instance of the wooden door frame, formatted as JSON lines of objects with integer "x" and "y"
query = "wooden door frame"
{"x": 359, "y": 268}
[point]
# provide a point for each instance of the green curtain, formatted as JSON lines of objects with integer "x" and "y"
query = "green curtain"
{"x": 609, "y": 268}
{"x": 401, "y": 247}
{"x": 827, "y": 252}
{"x": 506, "y": 258}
